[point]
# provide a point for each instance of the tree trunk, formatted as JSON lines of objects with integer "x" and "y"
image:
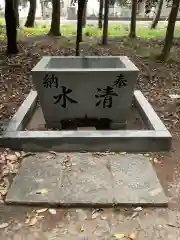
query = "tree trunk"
{"x": 101, "y": 3}
{"x": 43, "y": 10}
{"x": 170, "y": 30}
{"x": 11, "y": 32}
{"x": 31, "y": 14}
{"x": 81, "y": 5}
{"x": 158, "y": 14}
{"x": 55, "y": 21}
{"x": 105, "y": 25}
{"x": 16, "y": 9}
{"x": 84, "y": 14}
{"x": 132, "y": 33}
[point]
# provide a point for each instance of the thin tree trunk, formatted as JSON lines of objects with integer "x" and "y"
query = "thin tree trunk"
{"x": 11, "y": 32}
{"x": 84, "y": 14}
{"x": 132, "y": 33}
{"x": 105, "y": 25}
{"x": 170, "y": 30}
{"x": 16, "y": 9}
{"x": 55, "y": 21}
{"x": 81, "y": 5}
{"x": 158, "y": 14}
{"x": 43, "y": 10}
{"x": 31, "y": 14}
{"x": 101, "y": 3}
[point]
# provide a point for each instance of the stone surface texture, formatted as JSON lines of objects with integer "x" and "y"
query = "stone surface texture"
{"x": 78, "y": 179}
{"x": 94, "y": 87}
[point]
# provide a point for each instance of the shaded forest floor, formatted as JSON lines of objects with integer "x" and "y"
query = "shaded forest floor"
{"x": 156, "y": 80}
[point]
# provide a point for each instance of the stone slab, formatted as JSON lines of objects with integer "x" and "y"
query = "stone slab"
{"x": 24, "y": 113}
{"x": 91, "y": 86}
{"x": 86, "y": 179}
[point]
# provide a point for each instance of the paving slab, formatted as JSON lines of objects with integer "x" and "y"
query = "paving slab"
{"x": 86, "y": 179}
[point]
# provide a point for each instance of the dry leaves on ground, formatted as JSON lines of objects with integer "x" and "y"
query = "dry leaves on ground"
{"x": 97, "y": 213}
{"x": 36, "y": 215}
{"x": 131, "y": 236}
{"x": 33, "y": 220}
{"x": 3, "y": 225}
{"x": 67, "y": 162}
{"x": 41, "y": 210}
{"x": 52, "y": 211}
{"x": 9, "y": 164}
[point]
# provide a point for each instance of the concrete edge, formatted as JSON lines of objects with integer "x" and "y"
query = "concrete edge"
{"x": 23, "y": 115}
{"x": 129, "y": 64}
{"x": 43, "y": 63}
{"x": 92, "y": 141}
{"x": 147, "y": 113}
{"x": 87, "y": 205}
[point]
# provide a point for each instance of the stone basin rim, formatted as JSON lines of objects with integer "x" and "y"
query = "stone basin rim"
{"x": 43, "y": 63}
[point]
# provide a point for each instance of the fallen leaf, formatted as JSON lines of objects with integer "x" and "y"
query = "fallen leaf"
{"x": 155, "y": 160}
{"x": 10, "y": 166}
{"x": 33, "y": 220}
{"x": 146, "y": 154}
{"x": 11, "y": 157}
{"x": 138, "y": 209}
{"x": 82, "y": 228}
{"x": 3, "y": 158}
{"x": 97, "y": 210}
{"x": 28, "y": 154}
{"x": 174, "y": 96}
{"x": 118, "y": 235}
{"x": 52, "y": 152}
{"x": 18, "y": 154}
{"x": 6, "y": 182}
{"x": 172, "y": 225}
{"x": 134, "y": 215}
{"x": 27, "y": 220}
{"x": 40, "y": 217}
{"x": 132, "y": 236}
{"x": 42, "y": 191}
{"x": 95, "y": 215}
{"x": 123, "y": 153}
{"x": 3, "y": 191}
{"x": 41, "y": 210}
{"x": 5, "y": 172}
{"x": 52, "y": 211}
{"x": 7, "y": 150}
{"x": 3, "y": 225}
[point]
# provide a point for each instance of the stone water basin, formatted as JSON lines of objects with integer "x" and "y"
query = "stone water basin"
{"x": 85, "y": 87}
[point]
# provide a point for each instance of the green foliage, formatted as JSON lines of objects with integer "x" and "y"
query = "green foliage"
{"x": 114, "y": 30}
